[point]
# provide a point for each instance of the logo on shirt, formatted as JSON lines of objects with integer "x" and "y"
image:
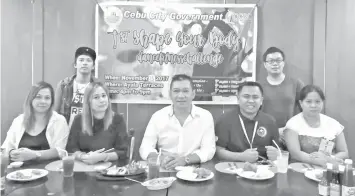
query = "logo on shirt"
{"x": 261, "y": 131}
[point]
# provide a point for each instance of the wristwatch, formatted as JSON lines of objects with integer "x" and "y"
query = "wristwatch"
{"x": 187, "y": 160}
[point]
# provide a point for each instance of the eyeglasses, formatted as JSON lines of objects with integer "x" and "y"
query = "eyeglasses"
{"x": 272, "y": 61}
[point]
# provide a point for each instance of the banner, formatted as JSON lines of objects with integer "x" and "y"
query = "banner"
{"x": 141, "y": 46}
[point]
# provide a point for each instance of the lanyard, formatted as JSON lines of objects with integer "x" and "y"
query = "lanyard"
{"x": 245, "y": 132}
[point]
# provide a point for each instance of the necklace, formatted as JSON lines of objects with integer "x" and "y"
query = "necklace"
{"x": 80, "y": 89}
{"x": 312, "y": 124}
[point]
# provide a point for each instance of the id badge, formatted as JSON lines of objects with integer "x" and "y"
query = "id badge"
{"x": 326, "y": 146}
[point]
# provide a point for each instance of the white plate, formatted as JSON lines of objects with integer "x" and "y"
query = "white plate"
{"x": 252, "y": 175}
{"x": 168, "y": 180}
{"x": 190, "y": 176}
{"x": 311, "y": 174}
{"x": 27, "y": 172}
{"x": 228, "y": 167}
{"x": 185, "y": 168}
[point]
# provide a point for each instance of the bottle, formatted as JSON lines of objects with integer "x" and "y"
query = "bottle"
{"x": 323, "y": 185}
{"x": 348, "y": 186}
{"x": 329, "y": 172}
{"x": 334, "y": 183}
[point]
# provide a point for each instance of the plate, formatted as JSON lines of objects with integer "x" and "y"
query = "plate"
{"x": 185, "y": 168}
{"x": 159, "y": 183}
{"x": 26, "y": 175}
{"x": 267, "y": 174}
{"x": 311, "y": 174}
{"x": 228, "y": 167}
{"x": 124, "y": 170}
{"x": 190, "y": 176}
{"x": 302, "y": 167}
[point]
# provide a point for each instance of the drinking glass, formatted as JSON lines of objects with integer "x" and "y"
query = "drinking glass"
{"x": 68, "y": 165}
{"x": 282, "y": 162}
{"x": 153, "y": 167}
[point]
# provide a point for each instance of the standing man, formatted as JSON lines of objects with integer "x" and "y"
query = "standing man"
{"x": 182, "y": 129}
{"x": 281, "y": 92}
{"x": 70, "y": 91}
{"x": 246, "y": 133}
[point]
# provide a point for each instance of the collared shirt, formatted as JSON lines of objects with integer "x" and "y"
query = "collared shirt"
{"x": 231, "y": 136}
{"x": 196, "y": 135}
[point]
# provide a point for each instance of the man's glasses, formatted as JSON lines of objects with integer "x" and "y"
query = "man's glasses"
{"x": 272, "y": 61}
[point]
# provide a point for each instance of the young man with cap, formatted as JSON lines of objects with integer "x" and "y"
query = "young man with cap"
{"x": 281, "y": 92}
{"x": 246, "y": 133}
{"x": 70, "y": 91}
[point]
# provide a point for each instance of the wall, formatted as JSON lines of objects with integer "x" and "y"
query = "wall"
{"x": 340, "y": 66}
{"x": 68, "y": 24}
{"x": 16, "y": 59}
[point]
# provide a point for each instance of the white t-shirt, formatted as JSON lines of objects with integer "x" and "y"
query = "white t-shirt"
{"x": 77, "y": 101}
{"x": 310, "y": 137}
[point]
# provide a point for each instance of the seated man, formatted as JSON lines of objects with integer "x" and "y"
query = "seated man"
{"x": 246, "y": 133}
{"x": 182, "y": 128}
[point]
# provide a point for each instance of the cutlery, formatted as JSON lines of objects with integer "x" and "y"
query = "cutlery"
{"x": 134, "y": 180}
{"x": 109, "y": 150}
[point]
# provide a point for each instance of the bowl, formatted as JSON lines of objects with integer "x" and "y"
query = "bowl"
{"x": 159, "y": 183}
{"x": 16, "y": 164}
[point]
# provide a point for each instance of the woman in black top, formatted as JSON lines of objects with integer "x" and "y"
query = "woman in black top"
{"x": 97, "y": 127}
{"x": 39, "y": 131}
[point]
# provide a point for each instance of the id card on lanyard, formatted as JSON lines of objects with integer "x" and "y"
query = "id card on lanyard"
{"x": 326, "y": 146}
{"x": 245, "y": 132}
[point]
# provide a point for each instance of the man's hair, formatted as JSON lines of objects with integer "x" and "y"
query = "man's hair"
{"x": 272, "y": 50}
{"x": 181, "y": 77}
{"x": 250, "y": 83}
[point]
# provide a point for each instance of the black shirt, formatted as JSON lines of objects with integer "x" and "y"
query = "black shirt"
{"x": 37, "y": 142}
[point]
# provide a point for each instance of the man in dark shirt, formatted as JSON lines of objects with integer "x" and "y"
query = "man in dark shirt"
{"x": 246, "y": 133}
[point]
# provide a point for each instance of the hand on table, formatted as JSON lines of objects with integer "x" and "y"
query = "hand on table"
{"x": 93, "y": 157}
{"x": 250, "y": 155}
{"x": 272, "y": 153}
{"x": 22, "y": 154}
{"x": 174, "y": 162}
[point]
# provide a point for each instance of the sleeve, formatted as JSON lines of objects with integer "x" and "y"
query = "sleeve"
{"x": 222, "y": 132}
{"x": 73, "y": 139}
{"x": 121, "y": 140}
{"x": 293, "y": 124}
{"x": 10, "y": 140}
{"x": 58, "y": 97}
{"x": 61, "y": 133}
{"x": 335, "y": 126}
{"x": 208, "y": 144}
{"x": 150, "y": 138}
{"x": 299, "y": 86}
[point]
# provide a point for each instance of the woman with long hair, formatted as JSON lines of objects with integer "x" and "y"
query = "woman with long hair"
{"x": 39, "y": 131}
{"x": 97, "y": 128}
{"x": 313, "y": 137}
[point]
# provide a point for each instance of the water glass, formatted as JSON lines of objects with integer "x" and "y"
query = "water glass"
{"x": 282, "y": 162}
{"x": 68, "y": 165}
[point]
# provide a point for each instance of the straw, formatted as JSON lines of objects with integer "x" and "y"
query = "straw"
{"x": 159, "y": 156}
{"x": 277, "y": 147}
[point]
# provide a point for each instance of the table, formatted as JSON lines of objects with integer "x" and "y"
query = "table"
{"x": 86, "y": 184}
{"x": 81, "y": 184}
{"x": 289, "y": 184}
